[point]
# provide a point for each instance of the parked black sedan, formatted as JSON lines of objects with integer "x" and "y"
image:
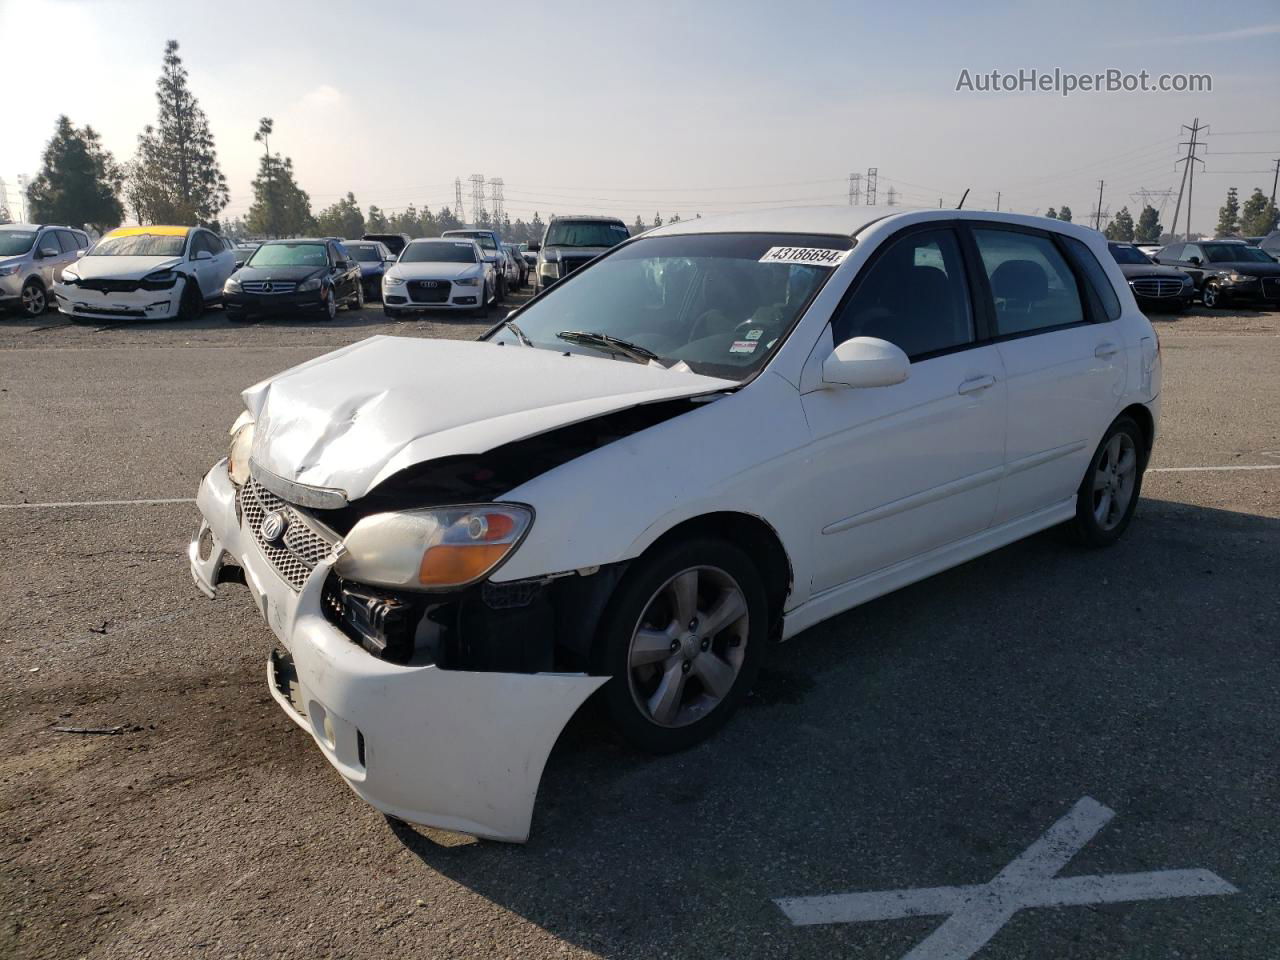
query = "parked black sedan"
{"x": 1155, "y": 287}
{"x": 1226, "y": 271}
{"x": 374, "y": 259}
{"x": 295, "y": 276}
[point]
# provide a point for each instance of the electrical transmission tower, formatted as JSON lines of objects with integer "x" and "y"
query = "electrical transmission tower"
{"x": 1148, "y": 198}
{"x": 1188, "y": 172}
{"x": 495, "y": 192}
{"x": 1097, "y": 211}
{"x": 457, "y": 198}
{"x": 893, "y": 197}
{"x": 871, "y": 185}
{"x": 855, "y": 189}
{"x": 477, "y": 197}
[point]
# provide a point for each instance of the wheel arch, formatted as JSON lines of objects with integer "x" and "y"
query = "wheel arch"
{"x": 1146, "y": 423}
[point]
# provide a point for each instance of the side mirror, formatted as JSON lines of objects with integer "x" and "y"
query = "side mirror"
{"x": 239, "y": 264}
{"x": 866, "y": 362}
{"x": 48, "y": 252}
{"x": 389, "y": 261}
{"x": 535, "y": 247}
{"x": 202, "y": 255}
{"x": 1194, "y": 260}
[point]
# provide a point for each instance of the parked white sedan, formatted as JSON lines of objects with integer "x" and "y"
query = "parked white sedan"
{"x": 712, "y": 437}
{"x": 152, "y": 272}
{"x": 439, "y": 274}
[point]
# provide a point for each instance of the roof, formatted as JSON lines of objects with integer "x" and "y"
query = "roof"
{"x": 151, "y": 231}
{"x": 587, "y": 216}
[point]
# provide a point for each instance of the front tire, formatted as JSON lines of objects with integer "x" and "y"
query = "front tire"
{"x": 191, "y": 304}
{"x": 1109, "y": 492}
{"x": 357, "y": 302}
{"x": 1212, "y": 297}
{"x": 34, "y": 299}
{"x": 328, "y": 304}
{"x": 682, "y": 640}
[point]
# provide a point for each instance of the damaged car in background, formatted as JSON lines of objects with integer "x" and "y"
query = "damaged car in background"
{"x": 709, "y": 438}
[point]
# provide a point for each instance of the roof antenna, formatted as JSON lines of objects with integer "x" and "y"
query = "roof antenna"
{"x": 960, "y": 205}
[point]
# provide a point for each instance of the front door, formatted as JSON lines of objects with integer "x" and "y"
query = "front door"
{"x": 901, "y": 470}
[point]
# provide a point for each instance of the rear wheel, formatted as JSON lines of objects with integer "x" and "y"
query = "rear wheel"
{"x": 34, "y": 299}
{"x": 682, "y": 640}
{"x": 1109, "y": 492}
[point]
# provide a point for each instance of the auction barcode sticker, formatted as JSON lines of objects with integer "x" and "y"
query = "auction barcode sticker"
{"x": 814, "y": 256}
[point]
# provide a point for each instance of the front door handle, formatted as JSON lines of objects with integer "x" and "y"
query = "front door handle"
{"x": 1106, "y": 350}
{"x": 976, "y": 384}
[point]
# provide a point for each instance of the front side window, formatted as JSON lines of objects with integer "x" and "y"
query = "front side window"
{"x": 440, "y": 251}
{"x": 1191, "y": 250}
{"x": 1031, "y": 284}
{"x": 718, "y": 304}
{"x": 1234, "y": 253}
{"x": 585, "y": 233}
{"x": 289, "y": 255}
{"x": 141, "y": 245}
{"x": 913, "y": 294}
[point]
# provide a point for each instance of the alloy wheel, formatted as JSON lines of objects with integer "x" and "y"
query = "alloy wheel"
{"x": 688, "y": 647}
{"x": 1114, "y": 481}
{"x": 34, "y": 300}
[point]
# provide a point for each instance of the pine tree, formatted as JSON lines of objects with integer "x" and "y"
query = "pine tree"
{"x": 446, "y": 219}
{"x": 1258, "y": 216}
{"x": 376, "y": 222}
{"x": 638, "y": 227}
{"x": 79, "y": 182}
{"x": 1064, "y": 213}
{"x": 1148, "y": 229}
{"x": 657, "y": 219}
{"x": 175, "y": 175}
{"x": 1121, "y": 227}
{"x": 1229, "y": 215}
{"x": 342, "y": 219}
{"x": 1051, "y": 213}
{"x": 280, "y": 207}
{"x": 536, "y": 228}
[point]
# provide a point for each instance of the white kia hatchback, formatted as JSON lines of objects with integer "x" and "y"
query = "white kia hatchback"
{"x": 710, "y": 438}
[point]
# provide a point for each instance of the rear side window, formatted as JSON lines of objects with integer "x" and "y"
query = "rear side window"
{"x": 69, "y": 243}
{"x": 914, "y": 295}
{"x": 82, "y": 239}
{"x": 1031, "y": 285}
{"x": 1106, "y": 305}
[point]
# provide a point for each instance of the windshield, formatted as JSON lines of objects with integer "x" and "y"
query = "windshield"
{"x": 1122, "y": 253}
{"x": 484, "y": 239}
{"x": 1234, "y": 253}
{"x": 585, "y": 233}
{"x": 365, "y": 252}
{"x": 711, "y": 301}
{"x": 14, "y": 242}
{"x": 289, "y": 255}
{"x": 140, "y": 245}
{"x": 440, "y": 252}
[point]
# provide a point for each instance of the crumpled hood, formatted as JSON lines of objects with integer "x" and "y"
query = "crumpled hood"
{"x": 352, "y": 418}
{"x": 122, "y": 268}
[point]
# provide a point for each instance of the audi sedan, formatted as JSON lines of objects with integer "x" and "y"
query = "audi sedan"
{"x": 703, "y": 442}
{"x": 439, "y": 274}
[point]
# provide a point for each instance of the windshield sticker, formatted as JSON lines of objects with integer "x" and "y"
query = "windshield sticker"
{"x": 744, "y": 346}
{"x": 814, "y": 256}
{"x": 754, "y": 334}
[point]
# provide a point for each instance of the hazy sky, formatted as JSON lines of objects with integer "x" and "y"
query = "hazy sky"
{"x": 650, "y": 106}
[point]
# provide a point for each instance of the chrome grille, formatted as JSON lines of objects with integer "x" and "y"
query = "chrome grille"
{"x": 268, "y": 286}
{"x": 1156, "y": 288}
{"x": 303, "y": 545}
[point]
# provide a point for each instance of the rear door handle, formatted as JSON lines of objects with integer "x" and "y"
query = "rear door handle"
{"x": 1105, "y": 350}
{"x": 976, "y": 384}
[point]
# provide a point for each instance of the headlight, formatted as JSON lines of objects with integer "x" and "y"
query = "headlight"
{"x": 435, "y": 549}
{"x": 1188, "y": 282}
{"x": 68, "y": 276}
{"x": 467, "y": 281}
{"x": 241, "y": 444}
{"x": 160, "y": 276}
{"x": 306, "y": 286}
{"x": 11, "y": 269}
{"x": 232, "y": 286}
{"x": 393, "y": 281}
{"x": 1238, "y": 277}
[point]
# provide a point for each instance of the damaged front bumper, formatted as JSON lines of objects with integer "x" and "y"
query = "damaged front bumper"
{"x": 455, "y": 749}
{"x": 139, "y": 304}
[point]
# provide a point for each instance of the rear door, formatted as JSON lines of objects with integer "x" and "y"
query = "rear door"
{"x": 1064, "y": 358}
{"x": 901, "y": 470}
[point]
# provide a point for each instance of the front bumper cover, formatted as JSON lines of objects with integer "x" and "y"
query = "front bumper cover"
{"x": 453, "y": 749}
{"x": 141, "y": 304}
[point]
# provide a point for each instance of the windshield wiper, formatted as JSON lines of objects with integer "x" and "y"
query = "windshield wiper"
{"x": 610, "y": 344}
{"x": 524, "y": 340}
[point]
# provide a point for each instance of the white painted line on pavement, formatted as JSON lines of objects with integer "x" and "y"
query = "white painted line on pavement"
{"x": 976, "y": 912}
{"x": 1250, "y": 466}
{"x": 93, "y": 503}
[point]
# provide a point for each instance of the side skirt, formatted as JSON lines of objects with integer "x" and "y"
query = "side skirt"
{"x": 839, "y": 599}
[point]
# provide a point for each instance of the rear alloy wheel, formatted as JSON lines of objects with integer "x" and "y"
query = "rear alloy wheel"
{"x": 683, "y": 639}
{"x": 1212, "y": 296}
{"x": 1109, "y": 492}
{"x": 34, "y": 299}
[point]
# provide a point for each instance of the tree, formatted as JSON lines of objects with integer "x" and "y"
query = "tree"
{"x": 675, "y": 218}
{"x": 406, "y": 221}
{"x": 536, "y": 228}
{"x": 376, "y": 222}
{"x": 1064, "y": 213}
{"x": 1051, "y": 213}
{"x": 1148, "y": 229}
{"x": 1229, "y": 215}
{"x": 1258, "y": 216}
{"x": 280, "y": 207}
{"x": 342, "y": 219}
{"x": 175, "y": 175}
{"x": 638, "y": 227}
{"x": 446, "y": 219}
{"x": 1121, "y": 227}
{"x": 79, "y": 182}
{"x": 657, "y": 219}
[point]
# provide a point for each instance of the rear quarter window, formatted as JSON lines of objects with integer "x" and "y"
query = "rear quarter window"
{"x": 1098, "y": 284}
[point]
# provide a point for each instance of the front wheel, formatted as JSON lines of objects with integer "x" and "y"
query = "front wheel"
{"x": 357, "y": 302}
{"x": 191, "y": 303}
{"x": 1212, "y": 296}
{"x": 328, "y": 304}
{"x": 682, "y": 640}
{"x": 1109, "y": 492}
{"x": 34, "y": 300}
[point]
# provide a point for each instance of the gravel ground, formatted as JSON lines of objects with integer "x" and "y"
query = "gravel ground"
{"x": 924, "y": 739}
